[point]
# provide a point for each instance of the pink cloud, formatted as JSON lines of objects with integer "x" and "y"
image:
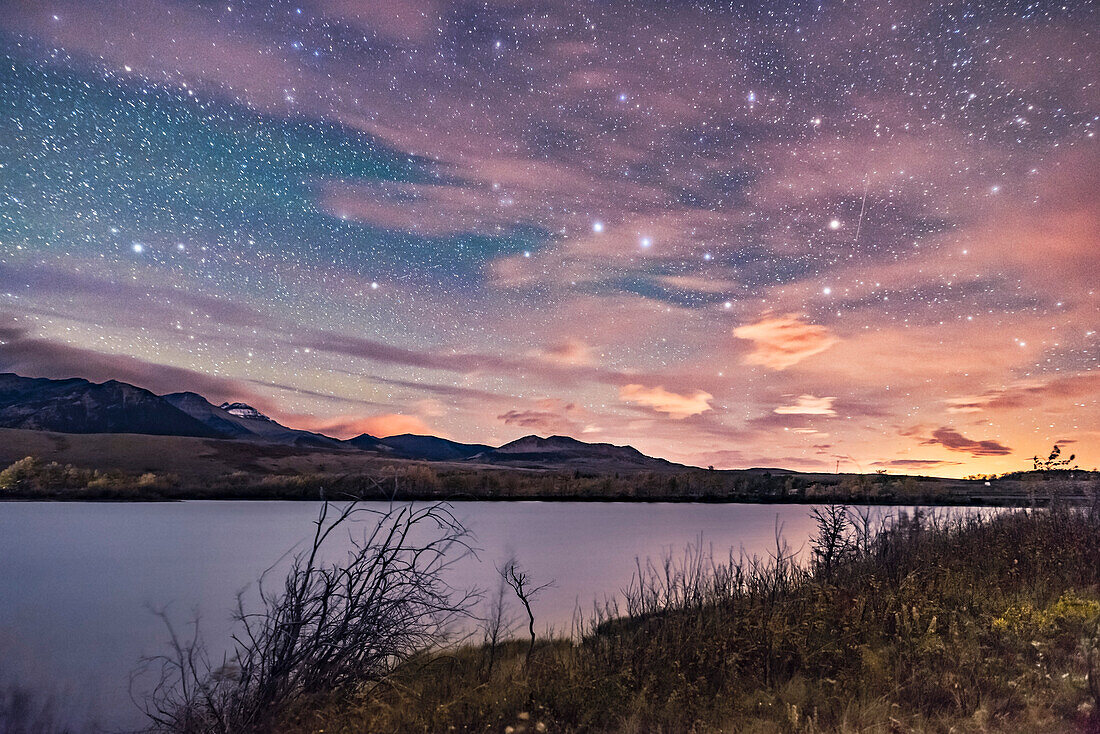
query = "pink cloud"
{"x": 808, "y": 405}
{"x": 664, "y": 401}
{"x": 780, "y": 342}
{"x": 569, "y": 351}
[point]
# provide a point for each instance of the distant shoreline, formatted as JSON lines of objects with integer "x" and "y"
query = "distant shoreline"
{"x": 44, "y": 466}
{"x": 1006, "y": 501}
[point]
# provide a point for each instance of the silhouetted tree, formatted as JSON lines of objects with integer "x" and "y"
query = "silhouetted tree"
{"x": 1054, "y": 462}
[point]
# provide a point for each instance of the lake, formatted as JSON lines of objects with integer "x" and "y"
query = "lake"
{"x": 79, "y": 581}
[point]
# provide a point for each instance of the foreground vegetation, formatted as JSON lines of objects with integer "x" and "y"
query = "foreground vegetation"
{"x": 970, "y": 625}
{"x": 979, "y": 623}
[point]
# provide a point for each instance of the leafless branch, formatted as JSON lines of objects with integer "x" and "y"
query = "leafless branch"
{"x": 326, "y": 626}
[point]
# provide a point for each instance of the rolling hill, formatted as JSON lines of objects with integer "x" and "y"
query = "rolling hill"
{"x": 569, "y": 453}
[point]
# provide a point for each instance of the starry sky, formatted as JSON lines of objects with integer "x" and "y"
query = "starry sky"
{"x": 861, "y": 234}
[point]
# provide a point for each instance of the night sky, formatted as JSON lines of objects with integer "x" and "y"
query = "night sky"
{"x": 778, "y": 234}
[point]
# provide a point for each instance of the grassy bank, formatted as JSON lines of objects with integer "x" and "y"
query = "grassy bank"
{"x": 971, "y": 625}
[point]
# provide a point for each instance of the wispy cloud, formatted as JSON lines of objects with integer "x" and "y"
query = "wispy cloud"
{"x": 916, "y": 464}
{"x": 23, "y": 353}
{"x": 952, "y": 440}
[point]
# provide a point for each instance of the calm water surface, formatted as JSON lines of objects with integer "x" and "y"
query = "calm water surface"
{"x": 78, "y": 581}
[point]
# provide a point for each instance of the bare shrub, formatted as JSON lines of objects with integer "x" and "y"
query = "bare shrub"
{"x": 329, "y": 627}
{"x": 497, "y": 625}
{"x": 520, "y": 582}
{"x": 831, "y": 543}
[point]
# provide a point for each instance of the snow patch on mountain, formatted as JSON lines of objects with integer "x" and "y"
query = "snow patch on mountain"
{"x": 244, "y": 410}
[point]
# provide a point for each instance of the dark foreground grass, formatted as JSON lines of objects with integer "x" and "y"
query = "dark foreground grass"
{"x": 969, "y": 625}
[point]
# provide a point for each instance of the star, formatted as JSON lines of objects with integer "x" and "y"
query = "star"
{"x": 254, "y": 164}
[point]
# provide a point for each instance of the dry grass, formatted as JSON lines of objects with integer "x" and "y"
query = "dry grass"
{"x": 976, "y": 625}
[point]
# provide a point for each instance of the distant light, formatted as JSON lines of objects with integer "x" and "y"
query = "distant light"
{"x": 374, "y": 286}
{"x": 826, "y": 290}
{"x": 181, "y": 247}
{"x": 597, "y": 227}
{"x": 708, "y": 257}
{"x": 994, "y": 189}
{"x": 752, "y": 97}
{"x": 645, "y": 243}
{"x": 622, "y": 97}
{"x": 527, "y": 253}
{"x": 496, "y": 45}
{"x": 834, "y": 224}
{"x": 728, "y": 304}
{"x": 138, "y": 247}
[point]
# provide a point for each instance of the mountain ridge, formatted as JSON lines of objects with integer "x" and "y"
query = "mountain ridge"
{"x": 243, "y": 422}
{"x": 76, "y": 405}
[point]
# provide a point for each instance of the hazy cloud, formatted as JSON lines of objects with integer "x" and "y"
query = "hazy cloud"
{"x": 30, "y": 356}
{"x": 808, "y": 405}
{"x": 379, "y": 426}
{"x": 915, "y": 463}
{"x": 538, "y": 421}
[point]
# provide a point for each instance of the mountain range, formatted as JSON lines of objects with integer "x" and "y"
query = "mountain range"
{"x": 80, "y": 406}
